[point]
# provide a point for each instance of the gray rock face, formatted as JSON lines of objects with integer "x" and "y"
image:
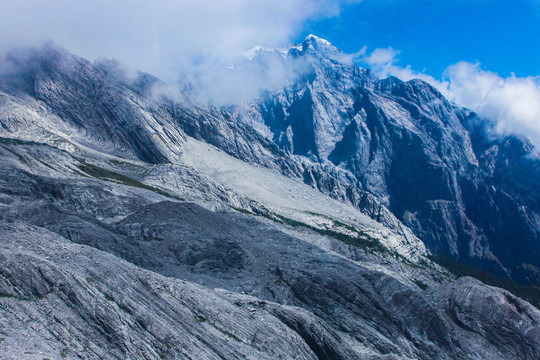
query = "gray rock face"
{"x": 71, "y": 301}
{"x": 102, "y": 257}
{"x": 85, "y": 303}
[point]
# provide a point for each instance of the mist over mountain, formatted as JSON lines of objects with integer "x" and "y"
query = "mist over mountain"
{"x": 143, "y": 222}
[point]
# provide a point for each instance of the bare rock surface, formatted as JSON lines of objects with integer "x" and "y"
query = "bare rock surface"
{"x": 136, "y": 226}
{"x": 73, "y": 300}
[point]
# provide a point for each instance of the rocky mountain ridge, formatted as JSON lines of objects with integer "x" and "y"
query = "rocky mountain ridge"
{"x": 466, "y": 193}
{"x": 136, "y": 226}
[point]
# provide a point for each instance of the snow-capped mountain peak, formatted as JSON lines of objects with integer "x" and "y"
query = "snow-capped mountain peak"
{"x": 321, "y": 48}
{"x": 313, "y": 39}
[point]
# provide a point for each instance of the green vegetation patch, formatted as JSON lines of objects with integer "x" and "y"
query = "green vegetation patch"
{"x": 243, "y": 211}
{"x": 362, "y": 240}
{"x": 336, "y": 222}
{"x": 200, "y": 318}
{"x": 104, "y": 174}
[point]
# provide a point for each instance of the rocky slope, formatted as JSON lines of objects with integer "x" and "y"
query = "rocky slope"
{"x": 218, "y": 283}
{"x": 136, "y": 226}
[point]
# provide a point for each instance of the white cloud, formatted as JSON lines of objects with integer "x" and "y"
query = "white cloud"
{"x": 159, "y": 36}
{"x": 382, "y": 62}
{"x": 382, "y": 57}
{"x": 513, "y": 103}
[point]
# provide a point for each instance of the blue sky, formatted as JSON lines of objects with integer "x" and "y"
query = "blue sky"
{"x": 503, "y": 35}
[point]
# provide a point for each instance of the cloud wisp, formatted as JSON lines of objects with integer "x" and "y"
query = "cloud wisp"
{"x": 513, "y": 103}
{"x": 383, "y": 63}
{"x": 162, "y": 37}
